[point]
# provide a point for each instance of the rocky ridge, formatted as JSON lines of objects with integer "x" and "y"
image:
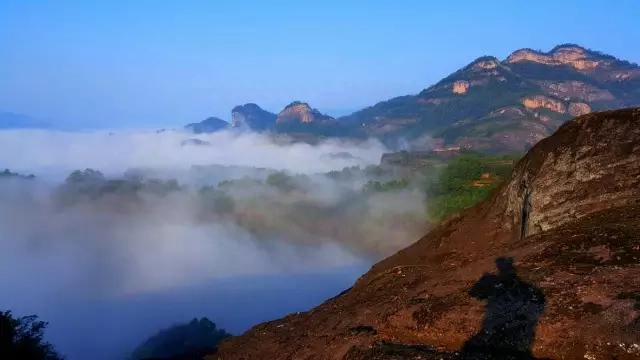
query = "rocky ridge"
{"x": 508, "y": 105}
{"x": 301, "y": 112}
{"x": 489, "y": 105}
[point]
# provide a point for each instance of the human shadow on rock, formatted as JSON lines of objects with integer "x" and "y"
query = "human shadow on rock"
{"x": 511, "y": 315}
{"x": 508, "y": 330}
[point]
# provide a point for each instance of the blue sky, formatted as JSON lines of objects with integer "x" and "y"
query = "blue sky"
{"x": 138, "y": 63}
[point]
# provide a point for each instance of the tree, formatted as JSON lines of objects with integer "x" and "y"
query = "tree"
{"x": 280, "y": 180}
{"x": 216, "y": 200}
{"x": 23, "y": 339}
{"x": 90, "y": 176}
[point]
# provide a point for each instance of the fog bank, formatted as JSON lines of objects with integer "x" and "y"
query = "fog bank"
{"x": 130, "y": 261}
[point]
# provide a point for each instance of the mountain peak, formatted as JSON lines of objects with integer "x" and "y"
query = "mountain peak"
{"x": 483, "y": 63}
{"x": 569, "y": 47}
{"x": 299, "y": 104}
{"x": 208, "y": 125}
{"x": 252, "y": 116}
{"x": 301, "y": 112}
{"x": 247, "y": 106}
{"x": 565, "y": 54}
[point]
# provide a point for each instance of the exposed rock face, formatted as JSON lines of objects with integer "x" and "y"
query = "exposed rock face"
{"x": 577, "y": 109}
{"x": 299, "y": 112}
{"x": 625, "y": 75}
{"x": 510, "y": 111}
{"x": 569, "y": 216}
{"x": 490, "y": 63}
{"x": 252, "y": 116}
{"x": 572, "y": 55}
{"x": 460, "y": 87}
{"x": 576, "y": 89}
{"x": 573, "y": 162}
{"x": 549, "y": 87}
{"x": 535, "y": 102}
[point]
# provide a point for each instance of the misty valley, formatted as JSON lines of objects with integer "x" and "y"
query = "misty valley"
{"x": 272, "y": 180}
{"x": 182, "y": 248}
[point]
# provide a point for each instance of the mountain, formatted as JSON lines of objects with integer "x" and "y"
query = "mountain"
{"x": 253, "y": 117}
{"x": 548, "y": 266}
{"x": 490, "y": 105}
{"x": 209, "y": 125}
{"x": 299, "y": 122}
{"x": 507, "y": 105}
{"x": 300, "y": 112}
{"x": 10, "y": 120}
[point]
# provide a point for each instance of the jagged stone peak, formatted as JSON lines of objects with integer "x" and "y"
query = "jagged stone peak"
{"x": 297, "y": 103}
{"x": 485, "y": 62}
{"x": 567, "y": 47}
{"x": 303, "y": 106}
{"x": 247, "y": 106}
{"x": 475, "y": 73}
{"x": 574, "y": 55}
{"x": 301, "y": 111}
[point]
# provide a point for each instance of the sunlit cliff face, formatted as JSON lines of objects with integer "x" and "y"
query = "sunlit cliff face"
{"x": 573, "y": 56}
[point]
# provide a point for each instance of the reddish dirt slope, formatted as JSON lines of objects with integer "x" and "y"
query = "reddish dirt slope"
{"x": 570, "y": 218}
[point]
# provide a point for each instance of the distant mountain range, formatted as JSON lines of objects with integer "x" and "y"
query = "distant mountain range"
{"x": 490, "y": 105}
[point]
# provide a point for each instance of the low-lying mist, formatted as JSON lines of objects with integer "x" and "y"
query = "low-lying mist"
{"x": 136, "y": 230}
{"x": 113, "y": 152}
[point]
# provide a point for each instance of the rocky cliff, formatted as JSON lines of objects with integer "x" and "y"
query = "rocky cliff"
{"x": 548, "y": 267}
{"x": 300, "y": 112}
{"x": 508, "y": 105}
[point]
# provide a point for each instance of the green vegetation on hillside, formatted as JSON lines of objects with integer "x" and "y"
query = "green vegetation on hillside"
{"x": 461, "y": 184}
{"x": 464, "y": 181}
{"x": 91, "y": 184}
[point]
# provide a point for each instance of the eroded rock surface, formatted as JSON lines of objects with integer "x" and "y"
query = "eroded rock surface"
{"x": 540, "y": 101}
{"x": 299, "y": 112}
{"x": 574, "y": 56}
